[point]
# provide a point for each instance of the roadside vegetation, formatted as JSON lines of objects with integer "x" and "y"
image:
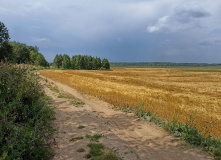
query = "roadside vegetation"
{"x": 25, "y": 115}
{"x": 186, "y": 131}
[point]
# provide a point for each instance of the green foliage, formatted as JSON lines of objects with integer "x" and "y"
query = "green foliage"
{"x": 63, "y": 96}
{"x": 77, "y": 103}
{"x": 98, "y": 152}
{"x": 5, "y": 48}
{"x": 38, "y": 59}
{"x": 58, "y": 61}
{"x": 24, "y": 115}
{"x": 27, "y": 54}
{"x": 97, "y": 63}
{"x": 110, "y": 155}
{"x": 66, "y": 63}
{"x": 81, "y": 150}
{"x": 105, "y": 64}
{"x": 17, "y": 52}
{"x": 81, "y": 127}
{"x": 4, "y": 36}
{"x": 94, "y": 137}
{"x": 6, "y": 51}
{"x": 21, "y": 53}
{"x": 80, "y": 62}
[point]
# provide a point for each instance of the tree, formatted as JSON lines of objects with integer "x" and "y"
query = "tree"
{"x": 98, "y": 63}
{"x": 105, "y": 64}
{"x": 21, "y": 52}
{"x": 58, "y": 61}
{"x": 40, "y": 60}
{"x": 4, "y": 36}
{"x": 33, "y": 56}
{"x": 73, "y": 61}
{"x": 66, "y": 63}
{"x": 6, "y": 51}
{"x": 5, "y": 48}
{"x": 79, "y": 62}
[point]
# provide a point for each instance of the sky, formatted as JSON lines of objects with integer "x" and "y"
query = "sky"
{"x": 185, "y": 31}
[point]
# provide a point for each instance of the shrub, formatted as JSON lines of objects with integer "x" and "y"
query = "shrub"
{"x": 24, "y": 115}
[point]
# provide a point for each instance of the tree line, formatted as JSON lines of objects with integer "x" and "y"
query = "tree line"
{"x": 161, "y": 64}
{"x": 80, "y": 62}
{"x": 17, "y": 52}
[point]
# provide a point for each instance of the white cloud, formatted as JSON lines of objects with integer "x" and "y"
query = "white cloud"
{"x": 42, "y": 39}
{"x": 162, "y": 23}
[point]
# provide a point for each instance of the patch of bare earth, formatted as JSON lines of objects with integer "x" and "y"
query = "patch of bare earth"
{"x": 134, "y": 139}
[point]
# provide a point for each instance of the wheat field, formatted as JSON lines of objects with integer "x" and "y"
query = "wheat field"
{"x": 169, "y": 93}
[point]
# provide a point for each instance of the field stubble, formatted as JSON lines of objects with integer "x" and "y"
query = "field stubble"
{"x": 169, "y": 93}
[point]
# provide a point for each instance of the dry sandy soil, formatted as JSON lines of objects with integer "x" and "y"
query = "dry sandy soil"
{"x": 131, "y": 137}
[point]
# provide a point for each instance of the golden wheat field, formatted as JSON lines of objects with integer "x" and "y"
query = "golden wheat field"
{"x": 169, "y": 93}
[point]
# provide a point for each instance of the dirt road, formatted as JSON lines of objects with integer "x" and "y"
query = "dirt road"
{"x": 132, "y": 138}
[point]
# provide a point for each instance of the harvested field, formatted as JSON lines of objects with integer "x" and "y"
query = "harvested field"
{"x": 169, "y": 93}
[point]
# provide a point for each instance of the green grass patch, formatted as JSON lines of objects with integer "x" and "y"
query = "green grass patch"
{"x": 64, "y": 96}
{"x": 98, "y": 152}
{"x": 35, "y": 68}
{"x": 95, "y": 137}
{"x": 81, "y": 127}
{"x": 96, "y": 149}
{"x": 77, "y": 103}
{"x": 53, "y": 88}
{"x": 110, "y": 155}
{"x": 81, "y": 150}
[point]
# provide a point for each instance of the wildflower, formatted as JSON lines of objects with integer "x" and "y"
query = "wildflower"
{"x": 9, "y": 142}
{"x": 8, "y": 122}
{"x": 32, "y": 147}
{"x": 21, "y": 103}
{"x": 3, "y": 119}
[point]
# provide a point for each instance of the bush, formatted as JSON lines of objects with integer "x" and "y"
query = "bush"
{"x": 24, "y": 115}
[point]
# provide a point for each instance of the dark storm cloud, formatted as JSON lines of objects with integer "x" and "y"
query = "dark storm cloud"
{"x": 120, "y": 30}
{"x": 192, "y": 10}
{"x": 183, "y": 17}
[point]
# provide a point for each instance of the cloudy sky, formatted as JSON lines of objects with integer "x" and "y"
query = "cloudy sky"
{"x": 120, "y": 30}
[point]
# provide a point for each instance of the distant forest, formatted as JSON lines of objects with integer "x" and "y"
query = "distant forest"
{"x": 161, "y": 64}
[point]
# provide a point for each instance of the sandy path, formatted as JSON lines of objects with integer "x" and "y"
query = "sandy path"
{"x": 134, "y": 139}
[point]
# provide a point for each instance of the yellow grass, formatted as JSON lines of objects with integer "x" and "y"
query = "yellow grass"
{"x": 169, "y": 93}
